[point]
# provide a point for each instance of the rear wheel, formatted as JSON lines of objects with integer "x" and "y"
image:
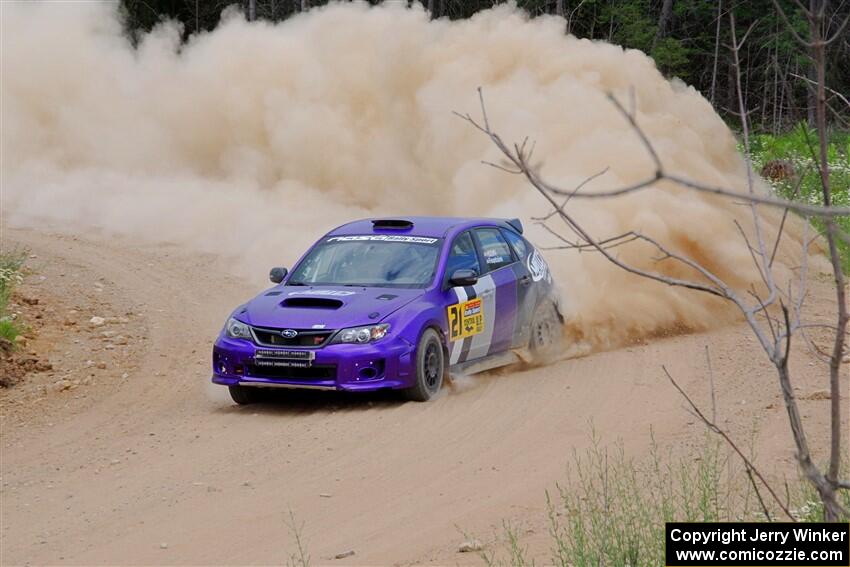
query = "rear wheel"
{"x": 546, "y": 332}
{"x": 430, "y": 366}
{"x": 245, "y": 395}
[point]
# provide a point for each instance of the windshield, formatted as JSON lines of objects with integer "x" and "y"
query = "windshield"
{"x": 370, "y": 261}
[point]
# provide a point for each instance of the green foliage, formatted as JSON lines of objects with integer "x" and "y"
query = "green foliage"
{"x": 11, "y": 266}
{"x": 810, "y": 508}
{"x": 9, "y": 329}
{"x": 800, "y": 148}
{"x": 613, "y": 509}
{"x": 672, "y": 57}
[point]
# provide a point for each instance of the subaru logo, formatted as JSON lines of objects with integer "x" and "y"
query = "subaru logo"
{"x": 289, "y": 333}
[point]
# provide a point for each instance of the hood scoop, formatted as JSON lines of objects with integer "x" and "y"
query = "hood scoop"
{"x": 312, "y": 302}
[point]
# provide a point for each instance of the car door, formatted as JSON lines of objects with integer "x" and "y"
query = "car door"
{"x": 528, "y": 290}
{"x": 496, "y": 292}
{"x": 469, "y": 309}
{"x": 461, "y": 302}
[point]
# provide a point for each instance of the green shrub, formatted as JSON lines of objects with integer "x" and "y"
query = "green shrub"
{"x": 9, "y": 329}
{"x": 612, "y": 510}
{"x": 11, "y": 266}
{"x": 796, "y": 147}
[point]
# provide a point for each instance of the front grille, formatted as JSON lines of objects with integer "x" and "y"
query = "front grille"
{"x": 309, "y": 373}
{"x": 305, "y": 338}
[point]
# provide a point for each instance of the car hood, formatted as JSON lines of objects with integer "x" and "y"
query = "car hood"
{"x": 335, "y": 307}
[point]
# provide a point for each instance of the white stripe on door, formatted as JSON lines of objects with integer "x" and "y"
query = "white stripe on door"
{"x": 486, "y": 290}
{"x": 457, "y": 346}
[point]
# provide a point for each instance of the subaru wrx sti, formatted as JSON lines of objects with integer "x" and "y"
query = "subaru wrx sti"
{"x": 393, "y": 303}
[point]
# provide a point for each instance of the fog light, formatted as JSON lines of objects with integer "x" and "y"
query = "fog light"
{"x": 368, "y": 373}
{"x": 371, "y": 370}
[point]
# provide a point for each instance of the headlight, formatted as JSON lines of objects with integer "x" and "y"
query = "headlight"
{"x": 237, "y": 329}
{"x": 361, "y": 335}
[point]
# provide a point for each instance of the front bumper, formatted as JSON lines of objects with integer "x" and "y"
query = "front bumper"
{"x": 388, "y": 363}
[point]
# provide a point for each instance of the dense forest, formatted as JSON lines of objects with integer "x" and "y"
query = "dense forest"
{"x": 688, "y": 39}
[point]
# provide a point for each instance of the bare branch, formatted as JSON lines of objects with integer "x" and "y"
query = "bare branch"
{"x": 798, "y": 184}
{"x": 764, "y": 509}
{"x": 715, "y": 429}
{"x": 711, "y": 385}
{"x": 834, "y": 92}
{"x": 576, "y": 190}
{"x": 607, "y": 243}
{"x": 802, "y": 208}
{"x": 633, "y": 121}
{"x": 838, "y": 32}
{"x": 788, "y": 25}
{"x": 756, "y": 312}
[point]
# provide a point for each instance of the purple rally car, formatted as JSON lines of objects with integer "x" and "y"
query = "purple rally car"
{"x": 393, "y": 303}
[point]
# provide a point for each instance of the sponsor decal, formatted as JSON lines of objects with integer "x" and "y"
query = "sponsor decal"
{"x": 283, "y": 363}
{"x": 320, "y": 326}
{"x": 538, "y": 267}
{"x": 324, "y": 292}
{"x": 261, "y": 353}
{"x": 465, "y": 319}
{"x": 385, "y": 238}
{"x": 492, "y": 256}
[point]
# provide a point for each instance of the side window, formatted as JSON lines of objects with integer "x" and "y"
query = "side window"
{"x": 517, "y": 242}
{"x": 463, "y": 255}
{"x": 495, "y": 249}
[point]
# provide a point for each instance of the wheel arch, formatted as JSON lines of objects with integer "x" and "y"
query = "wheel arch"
{"x": 441, "y": 332}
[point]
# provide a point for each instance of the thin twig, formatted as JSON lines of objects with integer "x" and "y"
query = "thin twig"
{"x": 714, "y": 428}
{"x": 711, "y": 384}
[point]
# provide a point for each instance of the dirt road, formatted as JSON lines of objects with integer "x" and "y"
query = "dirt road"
{"x": 161, "y": 468}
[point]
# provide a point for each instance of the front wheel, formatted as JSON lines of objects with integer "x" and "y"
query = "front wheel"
{"x": 430, "y": 366}
{"x": 243, "y": 395}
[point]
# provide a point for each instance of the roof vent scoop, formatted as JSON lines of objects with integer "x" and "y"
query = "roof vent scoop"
{"x": 392, "y": 224}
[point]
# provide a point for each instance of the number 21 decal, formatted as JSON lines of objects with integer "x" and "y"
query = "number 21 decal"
{"x": 465, "y": 319}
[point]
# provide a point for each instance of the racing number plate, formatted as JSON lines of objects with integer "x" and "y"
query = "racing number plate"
{"x": 465, "y": 319}
{"x": 284, "y": 358}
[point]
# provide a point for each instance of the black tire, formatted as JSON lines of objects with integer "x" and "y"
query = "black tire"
{"x": 547, "y": 330}
{"x": 430, "y": 367}
{"x": 243, "y": 395}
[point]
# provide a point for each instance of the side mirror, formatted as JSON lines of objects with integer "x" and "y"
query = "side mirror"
{"x": 276, "y": 275}
{"x": 464, "y": 277}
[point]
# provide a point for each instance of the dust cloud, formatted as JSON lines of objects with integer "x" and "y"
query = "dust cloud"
{"x": 253, "y": 140}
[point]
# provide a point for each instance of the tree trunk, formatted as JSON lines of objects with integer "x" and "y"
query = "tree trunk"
{"x": 305, "y": 5}
{"x": 433, "y": 8}
{"x": 832, "y": 513}
{"x": 730, "y": 85}
{"x": 559, "y": 8}
{"x": 663, "y": 21}
{"x": 812, "y": 73}
{"x": 811, "y": 95}
{"x": 716, "y": 51}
